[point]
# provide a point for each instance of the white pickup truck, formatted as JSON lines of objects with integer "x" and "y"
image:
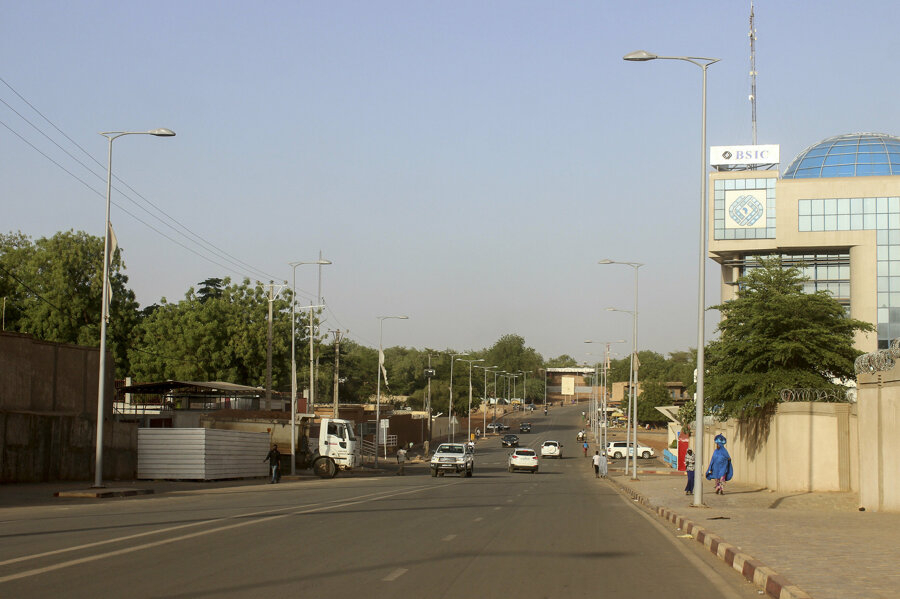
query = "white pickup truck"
{"x": 453, "y": 457}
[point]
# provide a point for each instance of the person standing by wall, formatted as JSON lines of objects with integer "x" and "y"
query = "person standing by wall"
{"x": 689, "y": 460}
{"x": 720, "y": 468}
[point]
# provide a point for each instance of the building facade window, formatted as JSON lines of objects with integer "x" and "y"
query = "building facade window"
{"x": 744, "y": 208}
{"x": 866, "y": 214}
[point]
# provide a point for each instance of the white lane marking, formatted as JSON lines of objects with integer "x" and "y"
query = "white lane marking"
{"x": 167, "y": 529}
{"x": 479, "y": 519}
{"x": 497, "y": 508}
{"x": 127, "y": 550}
{"x": 449, "y": 538}
{"x": 395, "y": 574}
{"x": 509, "y": 501}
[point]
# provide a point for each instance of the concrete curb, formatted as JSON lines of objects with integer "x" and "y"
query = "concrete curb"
{"x": 765, "y": 578}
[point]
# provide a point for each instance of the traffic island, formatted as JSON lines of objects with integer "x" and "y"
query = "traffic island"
{"x": 103, "y": 493}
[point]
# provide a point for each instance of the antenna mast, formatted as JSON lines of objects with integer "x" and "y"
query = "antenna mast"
{"x": 753, "y": 72}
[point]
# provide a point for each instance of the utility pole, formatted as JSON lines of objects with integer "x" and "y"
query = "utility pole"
{"x": 428, "y": 402}
{"x": 272, "y": 294}
{"x": 337, "y": 366}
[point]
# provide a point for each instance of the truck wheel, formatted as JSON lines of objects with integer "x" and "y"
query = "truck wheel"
{"x": 324, "y": 467}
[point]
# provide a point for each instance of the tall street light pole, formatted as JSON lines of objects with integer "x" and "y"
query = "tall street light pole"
{"x": 703, "y": 63}
{"x": 104, "y": 309}
{"x": 294, "y": 266}
{"x": 634, "y": 375}
{"x": 631, "y": 431}
{"x": 450, "y": 405}
{"x": 603, "y": 383}
{"x": 381, "y": 320}
{"x": 484, "y": 398}
{"x": 469, "y": 413}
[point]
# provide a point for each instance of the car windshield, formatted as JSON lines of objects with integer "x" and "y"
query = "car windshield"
{"x": 524, "y": 452}
{"x": 550, "y": 444}
{"x": 451, "y": 449}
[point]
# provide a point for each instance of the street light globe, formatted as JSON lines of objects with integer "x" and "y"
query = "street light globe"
{"x": 640, "y": 56}
{"x": 162, "y": 132}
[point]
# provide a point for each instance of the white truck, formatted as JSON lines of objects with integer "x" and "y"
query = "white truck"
{"x": 336, "y": 448}
{"x": 453, "y": 457}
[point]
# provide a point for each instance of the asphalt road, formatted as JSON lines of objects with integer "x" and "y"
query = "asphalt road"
{"x": 556, "y": 534}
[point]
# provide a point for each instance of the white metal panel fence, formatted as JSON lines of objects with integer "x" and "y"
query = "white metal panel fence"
{"x": 200, "y": 454}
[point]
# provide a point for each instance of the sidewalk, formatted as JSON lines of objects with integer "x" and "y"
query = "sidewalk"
{"x": 798, "y": 545}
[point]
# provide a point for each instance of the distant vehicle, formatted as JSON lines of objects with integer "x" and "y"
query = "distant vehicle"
{"x": 509, "y": 441}
{"x": 497, "y": 427}
{"x": 616, "y": 449}
{"x": 452, "y": 457}
{"x": 551, "y": 449}
{"x": 523, "y": 459}
{"x": 525, "y": 427}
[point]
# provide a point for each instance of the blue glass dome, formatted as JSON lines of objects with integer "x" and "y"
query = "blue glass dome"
{"x": 851, "y": 155}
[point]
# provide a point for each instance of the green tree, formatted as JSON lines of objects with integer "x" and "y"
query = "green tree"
{"x": 55, "y": 290}
{"x": 653, "y": 394}
{"x": 218, "y": 336}
{"x": 774, "y": 336}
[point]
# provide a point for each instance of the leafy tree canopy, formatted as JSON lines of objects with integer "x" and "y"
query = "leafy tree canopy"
{"x": 54, "y": 291}
{"x": 774, "y": 336}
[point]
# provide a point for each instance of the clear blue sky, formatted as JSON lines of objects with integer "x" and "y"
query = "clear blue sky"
{"x": 464, "y": 163}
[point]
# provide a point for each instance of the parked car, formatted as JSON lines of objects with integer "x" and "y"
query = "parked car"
{"x": 525, "y": 427}
{"x": 551, "y": 449}
{"x": 523, "y": 459}
{"x": 452, "y": 457}
{"x": 509, "y": 441}
{"x": 616, "y": 449}
{"x": 496, "y": 427}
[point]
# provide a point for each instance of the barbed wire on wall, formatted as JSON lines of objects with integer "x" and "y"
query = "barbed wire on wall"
{"x": 847, "y": 395}
{"x": 878, "y": 361}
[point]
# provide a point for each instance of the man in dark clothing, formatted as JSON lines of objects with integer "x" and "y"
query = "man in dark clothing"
{"x": 274, "y": 457}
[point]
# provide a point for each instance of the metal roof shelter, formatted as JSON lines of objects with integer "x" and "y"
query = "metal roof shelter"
{"x": 193, "y": 389}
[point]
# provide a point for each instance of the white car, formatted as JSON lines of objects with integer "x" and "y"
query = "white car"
{"x": 523, "y": 459}
{"x": 616, "y": 450}
{"x": 452, "y": 457}
{"x": 551, "y": 449}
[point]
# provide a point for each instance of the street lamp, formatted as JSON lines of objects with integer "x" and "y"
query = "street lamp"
{"x": 484, "y": 398}
{"x": 378, "y": 384}
{"x": 703, "y": 63}
{"x": 104, "y": 309}
{"x": 631, "y": 429}
{"x": 450, "y": 405}
{"x": 469, "y": 413}
{"x": 603, "y": 382}
{"x": 634, "y": 374}
{"x": 294, "y": 266}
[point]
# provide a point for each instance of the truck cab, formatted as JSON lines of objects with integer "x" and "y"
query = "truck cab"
{"x": 336, "y": 448}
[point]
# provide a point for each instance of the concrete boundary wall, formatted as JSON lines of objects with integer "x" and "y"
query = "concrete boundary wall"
{"x": 879, "y": 440}
{"x": 805, "y": 446}
{"x": 48, "y": 414}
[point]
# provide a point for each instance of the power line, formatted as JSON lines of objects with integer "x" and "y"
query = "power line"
{"x": 193, "y": 237}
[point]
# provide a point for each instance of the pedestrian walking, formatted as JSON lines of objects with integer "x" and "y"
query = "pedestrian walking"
{"x": 401, "y": 459}
{"x": 689, "y": 460}
{"x": 600, "y": 464}
{"x": 720, "y": 468}
{"x": 274, "y": 459}
{"x": 585, "y": 446}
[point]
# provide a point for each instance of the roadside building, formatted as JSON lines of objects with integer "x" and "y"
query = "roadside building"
{"x": 834, "y": 213}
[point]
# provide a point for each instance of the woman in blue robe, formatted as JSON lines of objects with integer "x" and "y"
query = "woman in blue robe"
{"x": 720, "y": 468}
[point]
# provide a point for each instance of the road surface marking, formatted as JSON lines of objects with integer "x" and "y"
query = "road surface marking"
{"x": 479, "y": 519}
{"x": 509, "y": 501}
{"x": 395, "y": 574}
{"x": 167, "y": 529}
{"x": 449, "y": 538}
{"x": 497, "y": 508}
{"x": 127, "y": 550}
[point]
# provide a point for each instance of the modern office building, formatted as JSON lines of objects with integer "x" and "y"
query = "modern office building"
{"x": 835, "y": 212}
